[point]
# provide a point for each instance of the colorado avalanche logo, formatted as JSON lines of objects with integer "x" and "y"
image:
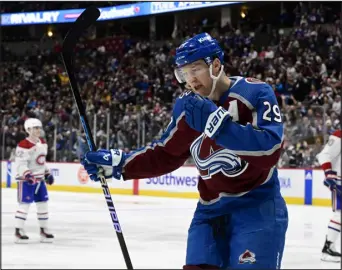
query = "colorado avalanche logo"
{"x": 221, "y": 160}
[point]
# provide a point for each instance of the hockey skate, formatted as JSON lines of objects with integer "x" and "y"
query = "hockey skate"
{"x": 329, "y": 254}
{"x": 20, "y": 236}
{"x": 45, "y": 236}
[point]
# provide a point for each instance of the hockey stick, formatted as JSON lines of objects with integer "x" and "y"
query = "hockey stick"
{"x": 84, "y": 21}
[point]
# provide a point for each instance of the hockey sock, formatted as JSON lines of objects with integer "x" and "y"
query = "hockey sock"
{"x": 42, "y": 214}
{"x": 21, "y": 215}
{"x": 334, "y": 227}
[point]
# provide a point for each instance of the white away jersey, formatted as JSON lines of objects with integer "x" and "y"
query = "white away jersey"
{"x": 30, "y": 158}
{"x": 330, "y": 156}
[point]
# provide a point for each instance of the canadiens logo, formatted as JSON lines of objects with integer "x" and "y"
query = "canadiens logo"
{"x": 211, "y": 159}
{"x": 247, "y": 257}
{"x": 41, "y": 159}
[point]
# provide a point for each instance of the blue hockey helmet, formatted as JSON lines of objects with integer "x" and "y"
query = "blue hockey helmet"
{"x": 201, "y": 46}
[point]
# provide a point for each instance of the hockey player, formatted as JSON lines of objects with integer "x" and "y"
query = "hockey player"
{"x": 32, "y": 173}
{"x": 330, "y": 160}
{"x": 233, "y": 129}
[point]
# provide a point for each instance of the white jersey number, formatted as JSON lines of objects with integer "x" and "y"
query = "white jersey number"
{"x": 266, "y": 116}
{"x": 233, "y": 110}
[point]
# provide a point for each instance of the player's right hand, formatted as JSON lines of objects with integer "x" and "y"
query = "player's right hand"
{"x": 332, "y": 181}
{"x": 30, "y": 179}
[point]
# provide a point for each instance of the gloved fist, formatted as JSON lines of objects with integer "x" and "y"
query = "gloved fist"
{"x": 96, "y": 171}
{"x": 204, "y": 116}
{"x": 30, "y": 178}
{"x": 49, "y": 179}
{"x": 332, "y": 181}
{"x": 105, "y": 163}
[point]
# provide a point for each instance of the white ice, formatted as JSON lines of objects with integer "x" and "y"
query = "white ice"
{"x": 155, "y": 231}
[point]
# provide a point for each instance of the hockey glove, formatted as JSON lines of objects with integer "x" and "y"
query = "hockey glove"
{"x": 30, "y": 179}
{"x": 332, "y": 181}
{"x": 49, "y": 179}
{"x": 104, "y": 162}
{"x": 204, "y": 116}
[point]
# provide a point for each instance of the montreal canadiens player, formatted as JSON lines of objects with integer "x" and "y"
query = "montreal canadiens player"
{"x": 330, "y": 160}
{"x": 32, "y": 176}
{"x": 233, "y": 129}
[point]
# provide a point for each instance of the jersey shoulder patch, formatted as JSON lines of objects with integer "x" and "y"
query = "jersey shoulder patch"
{"x": 247, "y": 92}
{"x": 42, "y": 141}
{"x": 185, "y": 93}
{"x": 26, "y": 144}
{"x": 253, "y": 81}
{"x": 337, "y": 133}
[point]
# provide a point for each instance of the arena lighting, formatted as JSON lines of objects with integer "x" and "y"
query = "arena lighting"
{"x": 50, "y": 33}
{"x": 107, "y": 13}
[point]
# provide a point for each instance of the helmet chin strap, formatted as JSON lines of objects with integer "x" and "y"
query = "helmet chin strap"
{"x": 215, "y": 78}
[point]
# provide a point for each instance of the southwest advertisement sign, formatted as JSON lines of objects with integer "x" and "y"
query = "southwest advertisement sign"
{"x": 298, "y": 186}
{"x": 107, "y": 13}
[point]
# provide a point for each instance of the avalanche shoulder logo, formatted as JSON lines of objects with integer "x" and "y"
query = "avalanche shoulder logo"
{"x": 254, "y": 81}
{"x": 247, "y": 257}
{"x": 210, "y": 161}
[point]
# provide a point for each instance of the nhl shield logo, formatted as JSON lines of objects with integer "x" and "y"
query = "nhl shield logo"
{"x": 247, "y": 257}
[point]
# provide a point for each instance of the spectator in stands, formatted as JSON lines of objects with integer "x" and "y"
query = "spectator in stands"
{"x": 132, "y": 81}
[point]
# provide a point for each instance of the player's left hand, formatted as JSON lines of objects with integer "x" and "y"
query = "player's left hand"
{"x": 204, "y": 116}
{"x": 332, "y": 181}
{"x": 49, "y": 179}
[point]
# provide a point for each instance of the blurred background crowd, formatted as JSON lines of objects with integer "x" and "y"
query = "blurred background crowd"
{"x": 125, "y": 73}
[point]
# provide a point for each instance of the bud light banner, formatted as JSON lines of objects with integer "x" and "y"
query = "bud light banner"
{"x": 107, "y": 13}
